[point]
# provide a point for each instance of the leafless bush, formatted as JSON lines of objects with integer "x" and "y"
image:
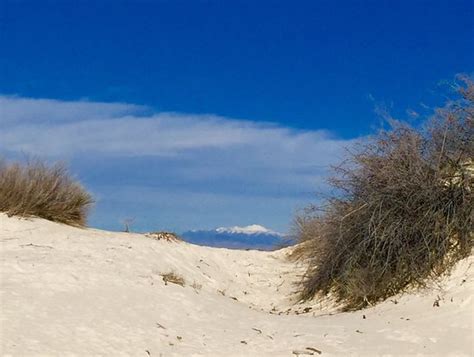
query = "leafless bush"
{"x": 403, "y": 212}
{"x": 35, "y": 189}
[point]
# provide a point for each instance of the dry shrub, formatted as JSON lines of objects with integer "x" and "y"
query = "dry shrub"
{"x": 35, "y": 189}
{"x": 173, "y": 278}
{"x": 402, "y": 215}
{"x": 166, "y": 236}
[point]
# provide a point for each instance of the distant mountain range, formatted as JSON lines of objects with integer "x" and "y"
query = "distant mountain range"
{"x": 249, "y": 237}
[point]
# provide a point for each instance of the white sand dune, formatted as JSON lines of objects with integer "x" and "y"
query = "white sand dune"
{"x": 69, "y": 291}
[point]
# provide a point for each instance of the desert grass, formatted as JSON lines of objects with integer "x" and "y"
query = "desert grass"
{"x": 165, "y": 236}
{"x": 49, "y": 192}
{"x": 401, "y": 215}
{"x": 173, "y": 277}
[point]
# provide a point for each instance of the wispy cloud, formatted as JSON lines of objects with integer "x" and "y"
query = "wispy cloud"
{"x": 172, "y": 152}
{"x": 51, "y": 128}
{"x": 18, "y": 110}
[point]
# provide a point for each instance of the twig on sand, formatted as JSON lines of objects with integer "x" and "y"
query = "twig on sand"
{"x": 36, "y": 246}
{"x": 310, "y": 351}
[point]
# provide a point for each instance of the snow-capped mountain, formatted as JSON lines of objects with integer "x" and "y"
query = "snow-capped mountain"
{"x": 250, "y": 237}
{"x": 252, "y": 229}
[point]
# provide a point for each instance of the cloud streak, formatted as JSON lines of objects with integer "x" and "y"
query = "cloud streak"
{"x": 172, "y": 152}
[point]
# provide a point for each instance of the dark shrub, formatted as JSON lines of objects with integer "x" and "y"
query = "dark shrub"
{"x": 402, "y": 215}
{"x": 35, "y": 189}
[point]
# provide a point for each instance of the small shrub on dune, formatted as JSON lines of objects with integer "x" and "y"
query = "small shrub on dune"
{"x": 402, "y": 216}
{"x": 173, "y": 278}
{"x": 35, "y": 189}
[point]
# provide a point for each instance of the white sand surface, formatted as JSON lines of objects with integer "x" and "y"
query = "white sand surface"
{"x": 67, "y": 291}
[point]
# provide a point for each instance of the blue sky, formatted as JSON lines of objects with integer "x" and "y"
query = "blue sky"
{"x": 197, "y": 114}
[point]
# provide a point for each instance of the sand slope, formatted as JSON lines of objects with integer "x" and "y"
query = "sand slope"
{"x": 69, "y": 291}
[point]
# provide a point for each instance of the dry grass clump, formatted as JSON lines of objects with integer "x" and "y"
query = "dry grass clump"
{"x": 35, "y": 189}
{"x": 403, "y": 212}
{"x": 173, "y": 278}
{"x": 166, "y": 236}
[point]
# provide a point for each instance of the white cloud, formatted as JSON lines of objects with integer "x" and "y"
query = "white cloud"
{"x": 204, "y": 154}
{"x": 58, "y": 128}
{"x": 18, "y": 110}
